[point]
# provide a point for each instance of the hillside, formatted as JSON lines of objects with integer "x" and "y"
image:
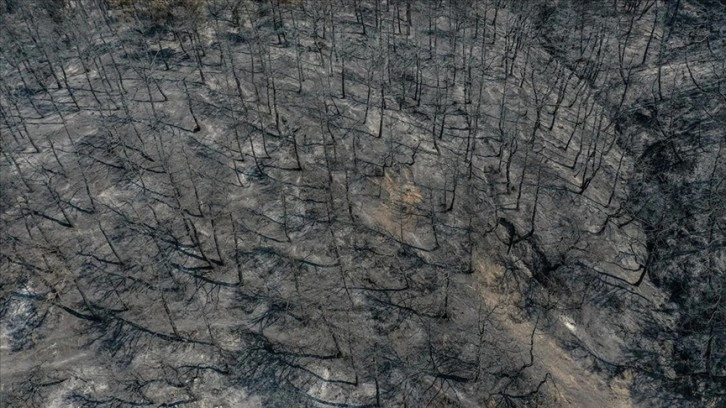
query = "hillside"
{"x": 362, "y": 203}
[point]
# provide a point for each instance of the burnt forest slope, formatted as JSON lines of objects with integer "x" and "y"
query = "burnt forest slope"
{"x": 362, "y": 203}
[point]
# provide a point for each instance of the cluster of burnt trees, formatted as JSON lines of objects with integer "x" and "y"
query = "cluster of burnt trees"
{"x": 667, "y": 101}
{"x": 348, "y": 202}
